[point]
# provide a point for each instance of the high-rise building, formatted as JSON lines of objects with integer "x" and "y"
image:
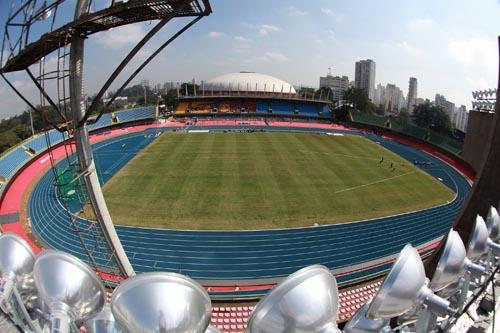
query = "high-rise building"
{"x": 447, "y": 106}
{"x": 364, "y": 77}
{"x": 379, "y": 95}
{"x": 338, "y": 84}
{"x": 390, "y": 98}
{"x": 412, "y": 94}
{"x": 462, "y": 118}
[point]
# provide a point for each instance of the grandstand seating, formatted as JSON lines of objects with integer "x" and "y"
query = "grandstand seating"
{"x": 233, "y": 319}
{"x": 200, "y": 107}
{"x": 224, "y": 108}
{"x": 17, "y": 157}
{"x": 12, "y": 161}
{"x": 104, "y": 121}
{"x": 284, "y": 108}
{"x": 39, "y": 143}
{"x": 307, "y": 109}
{"x": 136, "y": 114}
{"x": 181, "y": 108}
{"x": 262, "y": 107}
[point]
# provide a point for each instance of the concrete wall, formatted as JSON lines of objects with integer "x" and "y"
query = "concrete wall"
{"x": 478, "y": 130}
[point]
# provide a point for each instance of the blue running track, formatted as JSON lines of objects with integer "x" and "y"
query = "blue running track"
{"x": 252, "y": 255}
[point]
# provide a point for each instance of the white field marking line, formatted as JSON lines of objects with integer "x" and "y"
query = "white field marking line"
{"x": 372, "y": 183}
{"x": 338, "y": 154}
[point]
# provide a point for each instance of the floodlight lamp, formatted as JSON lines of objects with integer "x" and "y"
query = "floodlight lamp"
{"x": 16, "y": 264}
{"x": 71, "y": 290}
{"x": 103, "y": 322}
{"x": 305, "y": 302}
{"x": 360, "y": 323}
{"x": 451, "y": 264}
{"x": 478, "y": 241}
{"x": 404, "y": 288}
{"x": 161, "y": 302}
{"x": 493, "y": 224}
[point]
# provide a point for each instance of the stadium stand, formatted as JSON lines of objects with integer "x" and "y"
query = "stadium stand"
{"x": 136, "y": 114}
{"x": 448, "y": 144}
{"x": 13, "y": 161}
{"x": 182, "y": 108}
{"x": 39, "y": 143}
{"x": 200, "y": 107}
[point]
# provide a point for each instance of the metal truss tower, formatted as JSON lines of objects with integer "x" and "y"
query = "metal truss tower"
{"x": 22, "y": 50}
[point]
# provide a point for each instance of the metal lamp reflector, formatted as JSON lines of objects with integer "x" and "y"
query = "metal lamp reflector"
{"x": 305, "y": 302}
{"x": 404, "y": 288}
{"x": 161, "y": 302}
{"x": 72, "y": 291}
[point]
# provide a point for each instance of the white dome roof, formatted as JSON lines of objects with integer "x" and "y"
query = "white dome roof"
{"x": 249, "y": 81}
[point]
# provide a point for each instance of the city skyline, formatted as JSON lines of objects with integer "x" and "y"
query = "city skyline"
{"x": 298, "y": 42}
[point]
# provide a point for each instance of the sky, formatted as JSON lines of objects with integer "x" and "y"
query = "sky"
{"x": 450, "y": 46}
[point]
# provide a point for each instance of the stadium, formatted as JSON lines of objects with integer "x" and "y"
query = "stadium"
{"x": 246, "y": 206}
{"x": 242, "y": 265}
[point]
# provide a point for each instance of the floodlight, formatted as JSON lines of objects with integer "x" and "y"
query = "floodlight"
{"x": 212, "y": 329}
{"x": 161, "y": 302}
{"x": 493, "y": 224}
{"x": 103, "y": 322}
{"x": 480, "y": 243}
{"x": 16, "y": 264}
{"x": 360, "y": 323}
{"x": 451, "y": 264}
{"x": 71, "y": 290}
{"x": 478, "y": 240}
{"x": 404, "y": 288}
{"x": 306, "y": 301}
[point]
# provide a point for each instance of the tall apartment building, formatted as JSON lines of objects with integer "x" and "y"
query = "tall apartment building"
{"x": 338, "y": 84}
{"x": 447, "y": 106}
{"x": 394, "y": 99}
{"x": 412, "y": 94}
{"x": 364, "y": 77}
{"x": 462, "y": 118}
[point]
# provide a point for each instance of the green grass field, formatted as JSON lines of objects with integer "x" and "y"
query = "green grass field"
{"x": 232, "y": 181}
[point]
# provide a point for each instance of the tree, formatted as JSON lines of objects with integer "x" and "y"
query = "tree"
{"x": 325, "y": 93}
{"x": 404, "y": 116}
{"x": 171, "y": 99}
{"x": 432, "y": 117}
{"x": 358, "y": 98}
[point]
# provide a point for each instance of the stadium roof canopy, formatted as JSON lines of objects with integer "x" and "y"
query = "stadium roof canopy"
{"x": 249, "y": 81}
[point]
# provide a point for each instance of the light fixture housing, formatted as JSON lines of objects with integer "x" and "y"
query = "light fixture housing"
{"x": 16, "y": 260}
{"x": 493, "y": 224}
{"x": 103, "y": 322}
{"x": 161, "y": 302}
{"x": 306, "y": 301}
{"x": 360, "y": 323}
{"x": 71, "y": 290}
{"x": 404, "y": 288}
{"x": 451, "y": 264}
{"x": 480, "y": 243}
